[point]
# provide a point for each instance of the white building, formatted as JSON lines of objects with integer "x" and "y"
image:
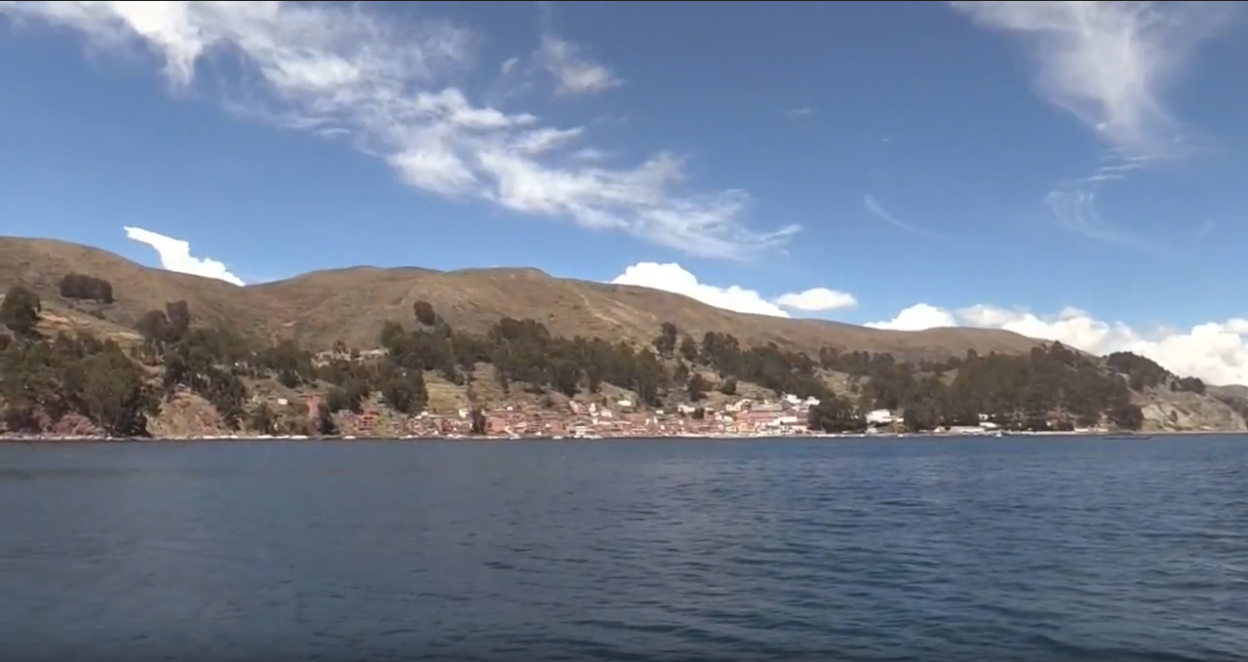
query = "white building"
{"x": 880, "y": 417}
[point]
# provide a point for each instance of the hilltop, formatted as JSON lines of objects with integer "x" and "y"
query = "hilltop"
{"x": 320, "y": 308}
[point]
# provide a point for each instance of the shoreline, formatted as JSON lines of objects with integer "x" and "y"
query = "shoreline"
{"x": 72, "y": 439}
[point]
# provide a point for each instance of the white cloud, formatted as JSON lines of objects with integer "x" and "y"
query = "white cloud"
{"x": 877, "y": 210}
{"x": 916, "y": 318}
{"x": 573, "y": 71}
{"x": 1217, "y": 352}
{"x": 1110, "y": 65}
{"x": 390, "y": 85}
{"x": 798, "y": 113}
{"x": 672, "y": 277}
{"x": 1074, "y": 208}
{"x": 175, "y": 255}
{"x": 817, "y": 299}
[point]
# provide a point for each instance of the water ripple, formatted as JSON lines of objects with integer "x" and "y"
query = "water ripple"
{"x": 1017, "y": 549}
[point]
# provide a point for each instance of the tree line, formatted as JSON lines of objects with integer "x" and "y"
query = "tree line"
{"x": 42, "y": 380}
{"x": 1053, "y": 386}
{"x": 86, "y": 288}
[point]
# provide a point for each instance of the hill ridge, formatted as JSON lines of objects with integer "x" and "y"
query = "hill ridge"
{"x": 350, "y": 304}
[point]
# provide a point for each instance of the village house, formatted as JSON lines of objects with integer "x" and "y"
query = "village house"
{"x": 878, "y": 417}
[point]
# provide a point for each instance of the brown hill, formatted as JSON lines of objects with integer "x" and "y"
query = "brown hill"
{"x": 321, "y": 307}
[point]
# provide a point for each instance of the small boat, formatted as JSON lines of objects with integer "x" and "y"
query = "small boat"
{"x": 1127, "y": 435}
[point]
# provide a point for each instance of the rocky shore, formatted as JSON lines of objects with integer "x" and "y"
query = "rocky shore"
{"x": 48, "y": 438}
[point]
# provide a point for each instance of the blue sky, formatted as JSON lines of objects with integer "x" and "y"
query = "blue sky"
{"x": 1067, "y": 170}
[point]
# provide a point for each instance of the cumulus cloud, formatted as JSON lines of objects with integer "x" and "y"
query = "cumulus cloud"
{"x": 393, "y": 86}
{"x": 175, "y": 255}
{"x": 1109, "y": 64}
{"x": 1217, "y": 352}
{"x": 672, "y": 277}
{"x": 916, "y": 318}
{"x": 817, "y": 299}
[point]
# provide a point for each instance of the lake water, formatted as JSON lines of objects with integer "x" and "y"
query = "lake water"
{"x": 966, "y": 549}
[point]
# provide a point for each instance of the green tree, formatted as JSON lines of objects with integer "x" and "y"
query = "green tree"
{"x": 154, "y": 326}
{"x": 20, "y": 311}
{"x": 263, "y": 420}
{"x": 227, "y": 394}
{"x": 680, "y": 374}
{"x": 82, "y": 286}
{"x": 405, "y": 393}
{"x": 1188, "y": 384}
{"x": 665, "y": 343}
{"x": 423, "y": 310}
{"x": 179, "y": 315}
{"x": 102, "y": 291}
{"x": 689, "y": 349}
{"x": 478, "y": 421}
{"x": 344, "y": 398}
{"x": 115, "y": 394}
{"x": 921, "y": 416}
{"x": 325, "y": 425}
{"x": 1126, "y": 416}
{"x": 565, "y": 377}
{"x": 835, "y": 414}
{"x": 697, "y": 387}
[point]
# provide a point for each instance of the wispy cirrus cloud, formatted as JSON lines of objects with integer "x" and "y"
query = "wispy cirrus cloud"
{"x": 877, "y": 210}
{"x": 572, "y": 68}
{"x": 394, "y": 87}
{"x": 1110, "y": 65}
{"x": 1075, "y": 209}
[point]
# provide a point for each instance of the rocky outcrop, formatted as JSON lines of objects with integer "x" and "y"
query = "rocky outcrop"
{"x": 1170, "y": 411}
{"x": 70, "y": 426}
{"x": 74, "y": 425}
{"x": 186, "y": 415}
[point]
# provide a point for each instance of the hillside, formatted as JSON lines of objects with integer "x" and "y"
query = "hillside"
{"x": 322, "y": 307}
{"x": 516, "y": 342}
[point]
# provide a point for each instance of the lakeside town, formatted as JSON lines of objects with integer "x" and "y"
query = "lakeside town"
{"x": 785, "y": 416}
